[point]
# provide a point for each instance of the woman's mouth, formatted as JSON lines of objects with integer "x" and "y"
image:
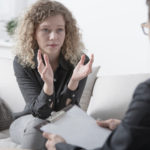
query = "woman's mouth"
{"x": 53, "y": 45}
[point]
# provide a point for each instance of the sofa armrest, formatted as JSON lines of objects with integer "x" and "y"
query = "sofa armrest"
{"x": 112, "y": 95}
{"x": 9, "y": 90}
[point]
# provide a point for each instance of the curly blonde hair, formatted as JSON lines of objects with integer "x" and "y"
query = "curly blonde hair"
{"x": 26, "y": 44}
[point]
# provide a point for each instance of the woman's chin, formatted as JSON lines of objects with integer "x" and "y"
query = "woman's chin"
{"x": 52, "y": 51}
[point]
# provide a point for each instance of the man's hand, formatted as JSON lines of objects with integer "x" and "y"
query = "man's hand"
{"x": 52, "y": 140}
{"x": 110, "y": 123}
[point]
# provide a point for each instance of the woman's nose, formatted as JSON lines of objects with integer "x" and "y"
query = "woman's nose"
{"x": 53, "y": 36}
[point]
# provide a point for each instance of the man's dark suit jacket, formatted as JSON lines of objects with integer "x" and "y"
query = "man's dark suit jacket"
{"x": 134, "y": 131}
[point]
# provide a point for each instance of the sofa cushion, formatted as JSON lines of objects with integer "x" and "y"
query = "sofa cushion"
{"x": 9, "y": 90}
{"x": 112, "y": 95}
{"x": 86, "y": 95}
{"x": 8, "y": 144}
{"x": 5, "y": 116}
{"x": 4, "y": 134}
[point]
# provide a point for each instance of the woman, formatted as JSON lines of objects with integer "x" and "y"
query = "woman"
{"x": 48, "y": 67}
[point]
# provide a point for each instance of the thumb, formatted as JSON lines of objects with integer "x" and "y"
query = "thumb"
{"x": 82, "y": 59}
{"x": 46, "y": 135}
{"x": 103, "y": 123}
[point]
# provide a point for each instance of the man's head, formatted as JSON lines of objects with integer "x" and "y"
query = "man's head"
{"x": 146, "y": 25}
{"x": 148, "y": 4}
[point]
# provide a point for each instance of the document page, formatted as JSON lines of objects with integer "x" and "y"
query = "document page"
{"x": 77, "y": 128}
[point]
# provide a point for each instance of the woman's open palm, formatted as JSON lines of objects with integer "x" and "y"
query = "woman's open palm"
{"x": 45, "y": 70}
{"x": 81, "y": 71}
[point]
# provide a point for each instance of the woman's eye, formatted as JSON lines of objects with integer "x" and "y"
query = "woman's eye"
{"x": 60, "y": 29}
{"x": 45, "y": 30}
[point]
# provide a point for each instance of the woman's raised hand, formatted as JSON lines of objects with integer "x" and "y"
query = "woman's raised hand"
{"x": 46, "y": 72}
{"x": 80, "y": 71}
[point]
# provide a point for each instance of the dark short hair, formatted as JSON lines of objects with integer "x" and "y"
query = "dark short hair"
{"x": 148, "y": 4}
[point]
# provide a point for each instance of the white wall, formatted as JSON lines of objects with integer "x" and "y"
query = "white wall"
{"x": 111, "y": 30}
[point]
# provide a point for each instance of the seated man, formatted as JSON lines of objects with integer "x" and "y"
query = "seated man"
{"x": 132, "y": 133}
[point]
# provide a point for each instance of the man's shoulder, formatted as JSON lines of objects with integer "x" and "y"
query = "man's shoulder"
{"x": 143, "y": 89}
{"x": 145, "y": 83}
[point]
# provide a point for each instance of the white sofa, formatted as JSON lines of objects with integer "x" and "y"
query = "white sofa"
{"x": 110, "y": 97}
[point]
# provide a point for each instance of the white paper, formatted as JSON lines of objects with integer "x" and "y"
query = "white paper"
{"x": 77, "y": 128}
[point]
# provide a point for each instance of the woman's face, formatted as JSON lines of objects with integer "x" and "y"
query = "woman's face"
{"x": 50, "y": 35}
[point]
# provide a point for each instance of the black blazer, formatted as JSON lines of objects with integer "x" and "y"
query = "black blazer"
{"x": 31, "y": 86}
{"x": 134, "y": 131}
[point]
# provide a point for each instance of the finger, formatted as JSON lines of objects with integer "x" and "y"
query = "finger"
{"x": 47, "y": 64}
{"x": 92, "y": 58}
{"x": 46, "y": 70}
{"x": 82, "y": 59}
{"x": 40, "y": 62}
{"x": 91, "y": 61}
{"x": 46, "y": 59}
{"x": 47, "y": 135}
{"x": 89, "y": 64}
{"x": 40, "y": 67}
{"x": 48, "y": 145}
{"x": 39, "y": 57}
{"x": 103, "y": 123}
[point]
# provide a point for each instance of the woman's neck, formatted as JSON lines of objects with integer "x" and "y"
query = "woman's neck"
{"x": 54, "y": 62}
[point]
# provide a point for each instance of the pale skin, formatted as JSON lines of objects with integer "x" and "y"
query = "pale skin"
{"x": 47, "y": 74}
{"x": 50, "y": 36}
{"x": 110, "y": 123}
{"x": 53, "y": 139}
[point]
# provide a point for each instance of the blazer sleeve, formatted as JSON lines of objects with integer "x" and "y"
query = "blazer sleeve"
{"x": 37, "y": 102}
{"x": 134, "y": 131}
{"x": 65, "y": 146}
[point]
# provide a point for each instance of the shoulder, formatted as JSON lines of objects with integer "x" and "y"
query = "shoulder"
{"x": 18, "y": 68}
{"x": 16, "y": 63}
{"x": 143, "y": 87}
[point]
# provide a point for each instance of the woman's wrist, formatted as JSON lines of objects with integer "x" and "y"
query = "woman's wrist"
{"x": 48, "y": 89}
{"x": 73, "y": 84}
